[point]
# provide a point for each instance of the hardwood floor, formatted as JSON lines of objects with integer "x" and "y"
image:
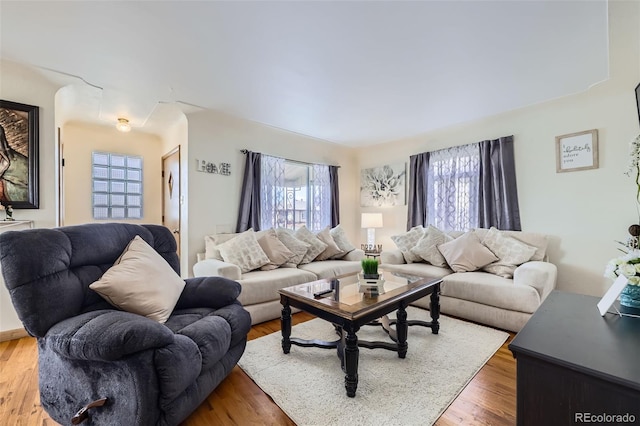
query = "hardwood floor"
{"x": 489, "y": 399}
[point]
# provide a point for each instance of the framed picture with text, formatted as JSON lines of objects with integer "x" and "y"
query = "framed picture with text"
{"x": 18, "y": 155}
{"x": 577, "y": 151}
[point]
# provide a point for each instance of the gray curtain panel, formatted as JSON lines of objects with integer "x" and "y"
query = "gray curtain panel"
{"x": 418, "y": 176}
{"x": 335, "y": 196}
{"x": 498, "y": 201}
{"x": 249, "y": 216}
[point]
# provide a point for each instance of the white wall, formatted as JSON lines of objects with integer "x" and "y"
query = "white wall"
{"x": 214, "y": 199}
{"x": 586, "y": 210}
{"x": 80, "y": 140}
{"x": 22, "y": 85}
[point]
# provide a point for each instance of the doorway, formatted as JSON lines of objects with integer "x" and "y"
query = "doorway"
{"x": 171, "y": 197}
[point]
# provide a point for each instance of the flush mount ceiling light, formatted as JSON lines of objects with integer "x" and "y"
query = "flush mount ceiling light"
{"x": 123, "y": 125}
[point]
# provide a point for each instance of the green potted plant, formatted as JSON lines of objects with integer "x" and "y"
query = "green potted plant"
{"x": 370, "y": 269}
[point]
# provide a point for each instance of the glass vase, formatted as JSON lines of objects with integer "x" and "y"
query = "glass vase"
{"x": 630, "y": 296}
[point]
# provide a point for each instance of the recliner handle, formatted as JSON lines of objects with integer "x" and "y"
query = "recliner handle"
{"x": 83, "y": 414}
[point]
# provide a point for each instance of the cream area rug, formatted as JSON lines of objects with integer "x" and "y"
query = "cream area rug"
{"x": 308, "y": 383}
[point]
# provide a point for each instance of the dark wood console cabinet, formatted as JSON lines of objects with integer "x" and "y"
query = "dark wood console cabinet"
{"x": 573, "y": 363}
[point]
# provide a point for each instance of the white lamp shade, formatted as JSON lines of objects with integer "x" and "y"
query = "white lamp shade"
{"x": 372, "y": 220}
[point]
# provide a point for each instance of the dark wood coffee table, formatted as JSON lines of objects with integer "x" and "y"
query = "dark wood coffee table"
{"x": 348, "y": 310}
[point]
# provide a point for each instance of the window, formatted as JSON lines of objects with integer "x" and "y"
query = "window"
{"x": 454, "y": 176}
{"x": 294, "y": 195}
{"x": 117, "y": 186}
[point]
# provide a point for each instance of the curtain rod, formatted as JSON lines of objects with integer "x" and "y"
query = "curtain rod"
{"x": 245, "y": 151}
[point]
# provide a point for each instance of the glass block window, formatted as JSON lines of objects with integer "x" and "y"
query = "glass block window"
{"x": 117, "y": 186}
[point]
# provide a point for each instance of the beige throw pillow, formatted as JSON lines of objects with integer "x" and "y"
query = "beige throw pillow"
{"x": 299, "y": 248}
{"x": 342, "y": 241}
{"x": 510, "y": 251}
{"x": 332, "y": 249}
{"x": 316, "y": 246}
{"x": 466, "y": 253}
{"x": 211, "y": 243}
{"x": 244, "y": 251}
{"x": 405, "y": 242}
{"x": 427, "y": 247}
{"x": 277, "y": 252}
{"x": 141, "y": 282}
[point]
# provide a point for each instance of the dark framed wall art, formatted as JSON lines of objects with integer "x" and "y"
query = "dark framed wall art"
{"x": 18, "y": 155}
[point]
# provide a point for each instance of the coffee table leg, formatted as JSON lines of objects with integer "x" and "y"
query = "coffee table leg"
{"x": 434, "y": 308}
{"x": 351, "y": 352}
{"x": 285, "y": 323}
{"x": 402, "y": 328}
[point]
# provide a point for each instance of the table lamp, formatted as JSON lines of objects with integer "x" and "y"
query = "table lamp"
{"x": 371, "y": 221}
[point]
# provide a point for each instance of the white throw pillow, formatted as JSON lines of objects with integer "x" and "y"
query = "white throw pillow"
{"x": 141, "y": 282}
{"x": 466, "y": 253}
{"x": 277, "y": 252}
{"x": 427, "y": 247}
{"x": 211, "y": 243}
{"x": 405, "y": 242}
{"x": 299, "y": 248}
{"x": 316, "y": 246}
{"x": 244, "y": 251}
{"x": 510, "y": 251}
{"x": 332, "y": 249}
{"x": 341, "y": 240}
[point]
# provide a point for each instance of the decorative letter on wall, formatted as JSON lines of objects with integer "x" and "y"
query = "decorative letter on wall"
{"x": 208, "y": 167}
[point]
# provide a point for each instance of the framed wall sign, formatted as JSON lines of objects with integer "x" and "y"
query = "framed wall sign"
{"x": 577, "y": 151}
{"x": 18, "y": 155}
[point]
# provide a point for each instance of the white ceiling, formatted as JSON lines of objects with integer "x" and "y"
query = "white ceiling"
{"x": 350, "y": 72}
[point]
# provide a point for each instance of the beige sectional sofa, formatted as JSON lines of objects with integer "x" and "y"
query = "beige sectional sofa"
{"x": 260, "y": 286}
{"x": 506, "y": 301}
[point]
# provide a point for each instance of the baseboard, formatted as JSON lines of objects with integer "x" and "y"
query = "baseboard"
{"x": 18, "y": 333}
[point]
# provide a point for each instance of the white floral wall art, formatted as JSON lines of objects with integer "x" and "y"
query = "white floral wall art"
{"x": 383, "y": 186}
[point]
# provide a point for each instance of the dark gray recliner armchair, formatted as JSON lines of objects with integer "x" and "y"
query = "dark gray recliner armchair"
{"x": 150, "y": 373}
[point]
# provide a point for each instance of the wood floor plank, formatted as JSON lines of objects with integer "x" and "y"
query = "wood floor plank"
{"x": 489, "y": 399}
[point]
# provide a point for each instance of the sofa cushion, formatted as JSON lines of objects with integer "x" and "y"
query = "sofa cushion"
{"x": 492, "y": 290}
{"x": 142, "y": 282}
{"x": 341, "y": 240}
{"x": 466, "y": 253}
{"x": 262, "y": 286}
{"x": 244, "y": 251}
{"x": 539, "y": 241}
{"x": 332, "y": 249}
{"x": 408, "y": 240}
{"x": 331, "y": 268}
{"x": 418, "y": 269}
{"x": 315, "y": 245}
{"x": 298, "y": 247}
{"x": 275, "y": 250}
{"x": 510, "y": 251}
{"x": 427, "y": 246}
{"x": 211, "y": 243}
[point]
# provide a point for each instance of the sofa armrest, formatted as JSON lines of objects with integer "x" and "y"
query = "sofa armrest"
{"x": 354, "y": 255}
{"x": 209, "y": 292}
{"x": 539, "y": 275}
{"x": 393, "y": 257}
{"x": 214, "y": 267}
{"x": 106, "y": 335}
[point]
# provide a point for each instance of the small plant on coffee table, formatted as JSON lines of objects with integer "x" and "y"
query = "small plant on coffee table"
{"x": 370, "y": 268}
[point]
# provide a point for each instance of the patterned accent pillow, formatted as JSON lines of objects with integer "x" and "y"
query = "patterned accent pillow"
{"x": 466, "y": 253}
{"x": 211, "y": 243}
{"x": 299, "y": 248}
{"x": 510, "y": 251}
{"x": 332, "y": 249}
{"x": 277, "y": 252}
{"x": 427, "y": 247}
{"x": 310, "y": 238}
{"x": 244, "y": 251}
{"x": 405, "y": 242}
{"x": 342, "y": 241}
